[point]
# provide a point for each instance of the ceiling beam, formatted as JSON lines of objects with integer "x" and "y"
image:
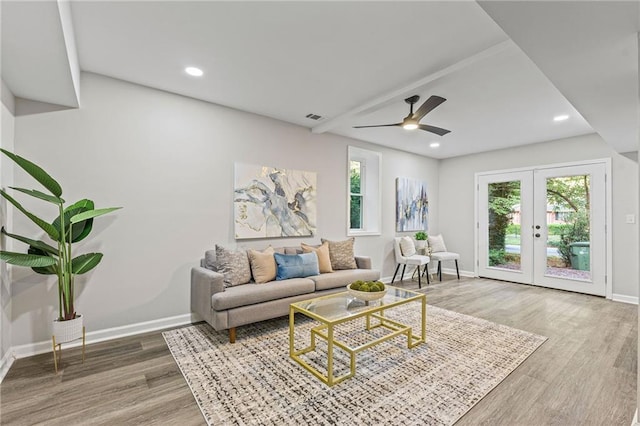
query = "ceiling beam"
{"x": 332, "y": 123}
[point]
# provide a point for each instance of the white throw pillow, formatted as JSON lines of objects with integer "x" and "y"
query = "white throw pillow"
{"x": 436, "y": 242}
{"x": 407, "y": 247}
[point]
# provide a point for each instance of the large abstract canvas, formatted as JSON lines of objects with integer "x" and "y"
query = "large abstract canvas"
{"x": 271, "y": 203}
{"x": 412, "y": 205}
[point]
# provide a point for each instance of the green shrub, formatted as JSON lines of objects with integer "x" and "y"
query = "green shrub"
{"x": 496, "y": 257}
{"x": 513, "y": 229}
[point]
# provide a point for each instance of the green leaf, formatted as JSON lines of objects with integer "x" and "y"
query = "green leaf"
{"x": 33, "y": 243}
{"x": 81, "y": 229}
{"x": 35, "y": 172}
{"x": 28, "y": 260}
{"x": 92, "y": 213}
{"x": 85, "y": 262}
{"x": 45, "y": 270}
{"x": 46, "y": 227}
{"x": 41, "y": 195}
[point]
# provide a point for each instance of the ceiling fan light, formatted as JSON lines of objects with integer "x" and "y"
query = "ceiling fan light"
{"x": 409, "y": 124}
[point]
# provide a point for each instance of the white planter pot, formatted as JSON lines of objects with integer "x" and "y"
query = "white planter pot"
{"x": 66, "y": 331}
{"x": 421, "y": 244}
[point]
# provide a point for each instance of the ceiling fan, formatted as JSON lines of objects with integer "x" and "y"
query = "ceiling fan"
{"x": 412, "y": 121}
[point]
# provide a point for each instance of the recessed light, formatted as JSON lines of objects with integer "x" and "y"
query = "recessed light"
{"x": 196, "y": 72}
{"x": 560, "y": 117}
{"x": 434, "y": 144}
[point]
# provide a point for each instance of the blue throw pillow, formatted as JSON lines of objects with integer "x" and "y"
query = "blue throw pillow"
{"x": 296, "y": 265}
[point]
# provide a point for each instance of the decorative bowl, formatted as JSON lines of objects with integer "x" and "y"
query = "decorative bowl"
{"x": 367, "y": 296}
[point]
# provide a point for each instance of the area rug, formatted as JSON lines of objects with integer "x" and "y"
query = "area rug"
{"x": 254, "y": 382}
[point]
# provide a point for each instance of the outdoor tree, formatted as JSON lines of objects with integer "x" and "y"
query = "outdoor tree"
{"x": 503, "y": 196}
{"x": 571, "y": 195}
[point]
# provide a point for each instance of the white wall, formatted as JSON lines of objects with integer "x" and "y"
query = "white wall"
{"x": 6, "y": 141}
{"x": 168, "y": 160}
{"x": 456, "y": 207}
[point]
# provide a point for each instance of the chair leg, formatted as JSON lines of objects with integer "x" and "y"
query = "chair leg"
{"x": 402, "y": 275}
{"x": 394, "y": 274}
{"x": 232, "y": 335}
{"x": 457, "y": 271}
{"x": 426, "y": 270}
{"x": 419, "y": 280}
{"x": 440, "y": 269}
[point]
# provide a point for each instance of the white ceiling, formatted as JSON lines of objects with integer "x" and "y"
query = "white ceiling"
{"x": 355, "y": 62}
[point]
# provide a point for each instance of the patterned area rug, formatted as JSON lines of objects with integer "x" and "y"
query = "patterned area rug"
{"x": 255, "y": 382}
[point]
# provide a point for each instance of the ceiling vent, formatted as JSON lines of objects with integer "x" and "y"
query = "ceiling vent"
{"x": 314, "y": 116}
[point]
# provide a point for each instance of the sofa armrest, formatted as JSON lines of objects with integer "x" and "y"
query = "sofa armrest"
{"x": 204, "y": 284}
{"x": 363, "y": 262}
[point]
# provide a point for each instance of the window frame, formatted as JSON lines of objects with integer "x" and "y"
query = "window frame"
{"x": 370, "y": 188}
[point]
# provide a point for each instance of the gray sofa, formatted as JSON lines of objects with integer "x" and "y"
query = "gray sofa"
{"x": 226, "y": 308}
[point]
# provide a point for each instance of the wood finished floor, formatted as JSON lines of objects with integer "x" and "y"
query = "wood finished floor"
{"x": 585, "y": 374}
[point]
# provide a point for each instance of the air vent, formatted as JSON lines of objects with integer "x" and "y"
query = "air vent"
{"x": 314, "y": 116}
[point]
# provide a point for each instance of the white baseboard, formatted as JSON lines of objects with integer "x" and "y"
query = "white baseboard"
{"x": 30, "y": 349}
{"x": 634, "y": 422}
{"x": 624, "y": 299}
{"x": 6, "y": 363}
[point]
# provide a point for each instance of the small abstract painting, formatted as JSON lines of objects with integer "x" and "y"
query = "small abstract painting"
{"x": 270, "y": 202}
{"x": 412, "y": 205}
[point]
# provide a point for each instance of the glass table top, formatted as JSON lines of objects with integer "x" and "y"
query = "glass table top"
{"x": 344, "y": 305}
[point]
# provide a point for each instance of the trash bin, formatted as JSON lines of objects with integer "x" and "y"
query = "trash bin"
{"x": 579, "y": 254}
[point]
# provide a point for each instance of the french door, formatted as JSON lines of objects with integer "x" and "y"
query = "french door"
{"x": 544, "y": 226}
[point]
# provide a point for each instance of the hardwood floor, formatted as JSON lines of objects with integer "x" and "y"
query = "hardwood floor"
{"x": 585, "y": 374}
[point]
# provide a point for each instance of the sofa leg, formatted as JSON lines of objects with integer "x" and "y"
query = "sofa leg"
{"x": 457, "y": 270}
{"x": 232, "y": 335}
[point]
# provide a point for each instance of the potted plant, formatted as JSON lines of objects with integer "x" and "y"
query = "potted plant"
{"x": 421, "y": 239}
{"x": 73, "y": 224}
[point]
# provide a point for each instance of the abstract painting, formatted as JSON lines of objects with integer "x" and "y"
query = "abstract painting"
{"x": 412, "y": 205}
{"x": 270, "y": 202}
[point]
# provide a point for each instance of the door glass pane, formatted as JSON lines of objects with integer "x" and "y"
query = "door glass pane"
{"x": 568, "y": 222}
{"x": 504, "y": 225}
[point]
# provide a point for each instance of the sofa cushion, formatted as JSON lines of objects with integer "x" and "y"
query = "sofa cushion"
{"x": 263, "y": 265}
{"x": 343, "y": 278}
{"x": 296, "y": 265}
{"x": 341, "y": 254}
{"x": 249, "y": 294}
{"x": 324, "y": 261}
{"x": 234, "y": 265}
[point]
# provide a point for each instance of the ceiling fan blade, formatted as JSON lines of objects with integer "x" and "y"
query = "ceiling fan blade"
{"x": 379, "y": 125}
{"x": 427, "y": 106}
{"x": 437, "y": 130}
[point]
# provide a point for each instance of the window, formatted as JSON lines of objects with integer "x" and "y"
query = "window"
{"x": 364, "y": 192}
{"x": 356, "y": 169}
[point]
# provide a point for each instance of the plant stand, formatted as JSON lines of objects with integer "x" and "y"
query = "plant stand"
{"x": 65, "y": 332}
{"x": 57, "y": 358}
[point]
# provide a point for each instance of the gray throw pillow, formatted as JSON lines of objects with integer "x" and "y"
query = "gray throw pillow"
{"x": 234, "y": 265}
{"x": 341, "y": 254}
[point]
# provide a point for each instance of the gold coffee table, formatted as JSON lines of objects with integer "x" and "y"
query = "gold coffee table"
{"x": 339, "y": 308}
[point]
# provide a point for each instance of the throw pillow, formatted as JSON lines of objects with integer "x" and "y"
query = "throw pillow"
{"x": 324, "y": 260}
{"x": 436, "y": 243}
{"x": 341, "y": 254}
{"x": 407, "y": 247}
{"x": 296, "y": 265}
{"x": 263, "y": 265}
{"x": 234, "y": 265}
